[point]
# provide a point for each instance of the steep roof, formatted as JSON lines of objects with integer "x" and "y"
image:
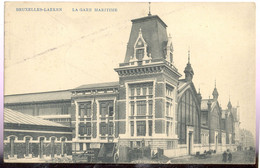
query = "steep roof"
{"x": 15, "y": 117}
{"x": 36, "y": 97}
{"x": 153, "y": 32}
{"x": 98, "y": 85}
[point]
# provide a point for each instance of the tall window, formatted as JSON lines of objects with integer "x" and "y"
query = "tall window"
{"x": 52, "y": 147}
{"x": 106, "y": 108}
{"x": 85, "y": 109}
{"x": 81, "y": 129}
{"x": 110, "y": 130}
{"x": 141, "y": 107}
{"x": 103, "y": 128}
{"x": 62, "y": 146}
{"x": 150, "y": 127}
{"x": 88, "y": 110}
{"x": 144, "y": 90}
{"x": 82, "y": 111}
{"x": 187, "y": 114}
{"x": 132, "y": 92}
{"x": 27, "y": 146}
{"x": 111, "y": 111}
{"x": 81, "y": 146}
{"x": 88, "y": 128}
{"x": 150, "y": 107}
{"x": 167, "y": 128}
{"x": 139, "y": 54}
{"x": 103, "y": 109}
{"x": 141, "y": 130}
{"x": 132, "y": 106}
{"x": 138, "y": 91}
{"x": 167, "y": 108}
{"x": 132, "y": 128}
{"x": 12, "y": 146}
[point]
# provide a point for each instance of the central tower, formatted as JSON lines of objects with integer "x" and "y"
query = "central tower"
{"x": 148, "y": 82}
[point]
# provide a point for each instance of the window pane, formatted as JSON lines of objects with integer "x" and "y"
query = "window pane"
{"x": 132, "y": 108}
{"x": 150, "y": 107}
{"x": 141, "y": 107}
{"x": 140, "y": 128}
{"x": 144, "y": 91}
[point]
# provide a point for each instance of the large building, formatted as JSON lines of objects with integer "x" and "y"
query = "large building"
{"x": 150, "y": 105}
{"x": 29, "y": 137}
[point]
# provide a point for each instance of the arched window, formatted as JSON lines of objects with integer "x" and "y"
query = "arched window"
{"x": 187, "y": 115}
{"x": 12, "y": 138}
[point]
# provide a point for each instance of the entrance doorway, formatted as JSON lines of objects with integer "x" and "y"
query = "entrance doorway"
{"x": 190, "y": 143}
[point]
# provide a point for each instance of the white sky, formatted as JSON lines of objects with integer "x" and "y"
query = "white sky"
{"x": 47, "y": 51}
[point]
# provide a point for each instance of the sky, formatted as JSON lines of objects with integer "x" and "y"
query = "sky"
{"x": 46, "y": 51}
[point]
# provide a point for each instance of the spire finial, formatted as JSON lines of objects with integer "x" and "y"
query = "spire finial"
{"x": 149, "y": 14}
{"x": 215, "y": 83}
{"x": 189, "y": 55}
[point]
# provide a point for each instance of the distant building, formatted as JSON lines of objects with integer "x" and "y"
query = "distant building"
{"x": 247, "y": 139}
{"x": 150, "y": 105}
{"x": 26, "y": 136}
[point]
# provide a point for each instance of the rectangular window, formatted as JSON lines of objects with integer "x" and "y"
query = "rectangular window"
{"x": 82, "y": 111}
{"x": 88, "y": 130}
{"x": 88, "y": 110}
{"x": 103, "y": 109}
{"x": 144, "y": 91}
{"x": 167, "y": 128}
{"x": 27, "y": 146}
{"x": 132, "y": 108}
{"x": 12, "y": 147}
{"x": 150, "y": 90}
{"x": 167, "y": 108}
{"x": 132, "y": 92}
{"x": 103, "y": 128}
{"x": 138, "y": 143}
{"x": 139, "y": 54}
{"x": 131, "y": 144}
{"x": 138, "y": 91}
{"x": 150, "y": 107}
{"x": 150, "y": 127}
{"x": 81, "y": 129}
{"x": 87, "y": 145}
{"x": 141, "y": 130}
{"x": 132, "y": 128}
{"x": 111, "y": 110}
{"x": 141, "y": 107}
{"x": 110, "y": 129}
{"x": 81, "y": 146}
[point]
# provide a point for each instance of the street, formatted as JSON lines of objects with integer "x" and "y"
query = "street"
{"x": 238, "y": 157}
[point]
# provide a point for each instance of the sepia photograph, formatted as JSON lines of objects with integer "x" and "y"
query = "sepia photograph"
{"x": 130, "y": 83}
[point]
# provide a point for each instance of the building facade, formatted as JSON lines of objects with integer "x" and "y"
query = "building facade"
{"x": 29, "y": 137}
{"x": 150, "y": 104}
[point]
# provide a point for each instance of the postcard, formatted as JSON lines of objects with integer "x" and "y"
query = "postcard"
{"x": 128, "y": 82}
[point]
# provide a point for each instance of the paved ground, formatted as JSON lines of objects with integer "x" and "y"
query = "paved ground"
{"x": 239, "y": 157}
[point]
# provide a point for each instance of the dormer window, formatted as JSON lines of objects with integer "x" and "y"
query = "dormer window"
{"x": 169, "y": 50}
{"x": 139, "y": 54}
{"x": 140, "y": 48}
